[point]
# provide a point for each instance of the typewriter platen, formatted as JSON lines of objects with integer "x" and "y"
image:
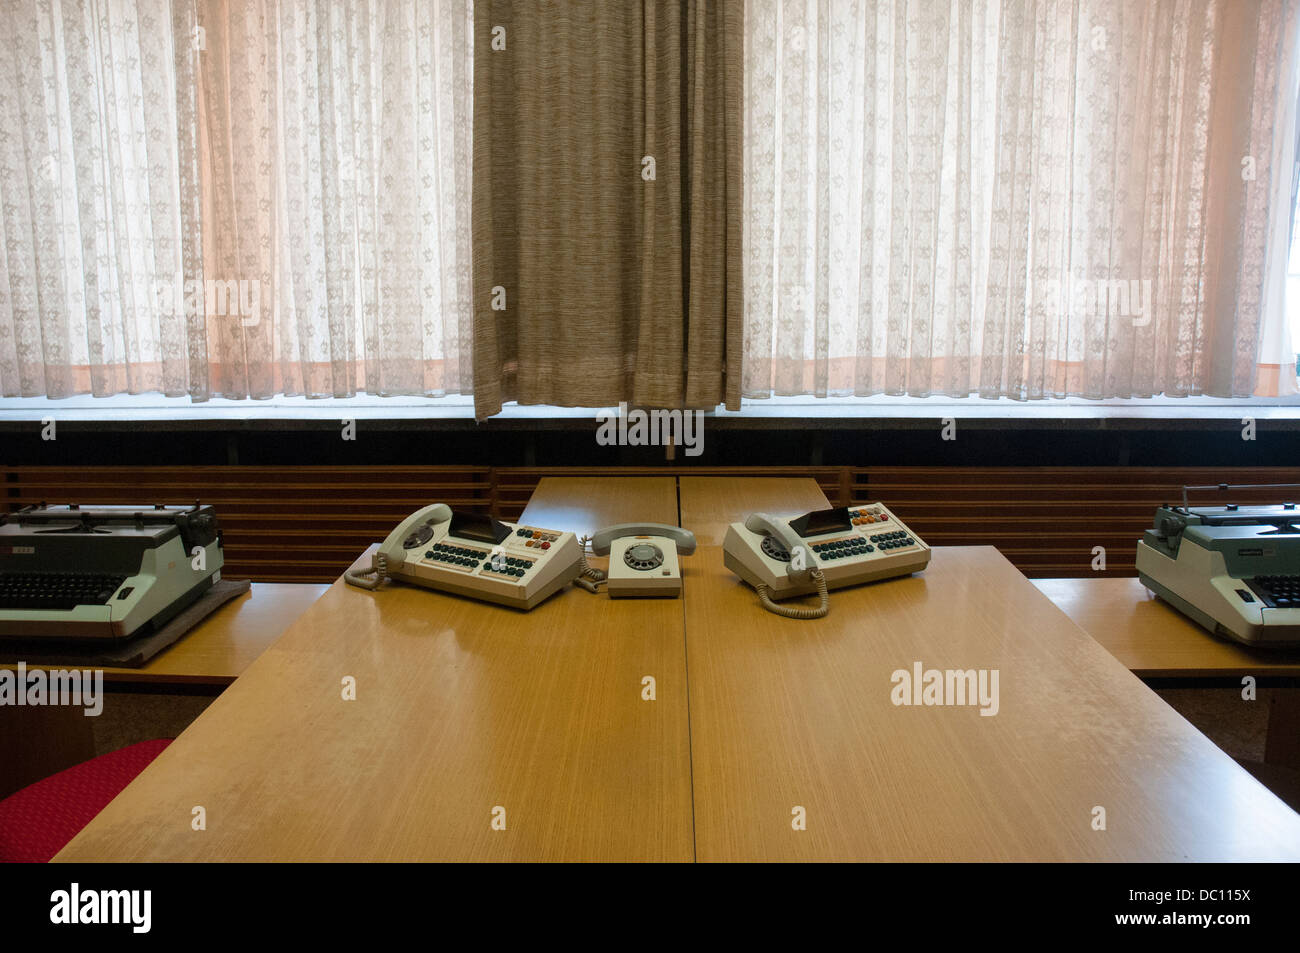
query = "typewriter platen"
{"x": 1233, "y": 568}
{"x": 103, "y": 572}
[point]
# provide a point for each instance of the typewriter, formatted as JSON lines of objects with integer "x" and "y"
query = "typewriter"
{"x": 103, "y": 572}
{"x": 1233, "y": 568}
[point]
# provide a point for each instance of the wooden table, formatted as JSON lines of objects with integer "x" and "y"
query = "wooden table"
{"x": 461, "y": 708}
{"x": 790, "y": 714}
{"x": 223, "y": 645}
{"x": 1154, "y": 640}
{"x": 710, "y": 504}
{"x": 38, "y": 742}
{"x": 583, "y": 505}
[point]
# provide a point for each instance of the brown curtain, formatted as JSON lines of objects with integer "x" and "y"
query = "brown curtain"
{"x": 616, "y": 287}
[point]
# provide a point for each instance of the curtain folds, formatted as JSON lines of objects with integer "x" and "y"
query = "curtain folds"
{"x": 235, "y": 198}
{"x": 98, "y": 196}
{"x": 607, "y": 159}
{"x": 703, "y": 199}
{"x": 337, "y": 164}
{"x": 1021, "y": 198}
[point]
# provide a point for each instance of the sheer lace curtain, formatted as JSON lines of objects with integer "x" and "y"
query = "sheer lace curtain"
{"x": 98, "y": 196}
{"x": 235, "y": 197}
{"x": 338, "y": 160}
{"x": 1022, "y": 198}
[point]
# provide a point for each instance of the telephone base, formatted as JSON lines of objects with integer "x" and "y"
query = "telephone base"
{"x": 444, "y": 584}
{"x": 644, "y": 566}
{"x": 668, "y": 591}
{"x": 853, "y": 545}
{"x": 476, "y": 556}
{"x": 740, "y": 569}
{"x": 784, "y": 589}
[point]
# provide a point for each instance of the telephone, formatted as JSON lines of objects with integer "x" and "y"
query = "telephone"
{"x": 475, "y": 555}
{"x": 642, "y": 559}
{"x": 822, "y": 550}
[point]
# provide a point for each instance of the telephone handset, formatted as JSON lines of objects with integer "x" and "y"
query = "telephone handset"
{"x": 642, "y": 559}
{"x": 818, "y": 551}
{"x": 392, "y": 553}
{"x": 801, "y": 566}
{"x": 475, "y": 555}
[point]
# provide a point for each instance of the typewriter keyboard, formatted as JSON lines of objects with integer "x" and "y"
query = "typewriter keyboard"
{"x": 56, "y": 591}
{"x": 1278, "y": 592}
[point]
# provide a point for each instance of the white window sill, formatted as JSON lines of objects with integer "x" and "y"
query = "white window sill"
{"x": 153, "y": 407}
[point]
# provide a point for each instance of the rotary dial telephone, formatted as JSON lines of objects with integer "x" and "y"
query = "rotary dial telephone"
{"x": 642, "y": 560}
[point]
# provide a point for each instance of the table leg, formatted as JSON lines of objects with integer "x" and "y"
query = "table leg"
{"x": 37, "y": 741}
{"x": 1283, "y": 744}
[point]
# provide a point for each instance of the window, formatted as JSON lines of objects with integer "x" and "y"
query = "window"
{"x": 235, "y": 199}
{"x": 229, "y": 198}
{"x": 1011, "y": 200}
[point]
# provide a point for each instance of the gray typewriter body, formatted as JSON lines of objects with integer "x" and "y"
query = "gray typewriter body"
{"x": 1234, "y": 569}
{"x": 103, "y": 572}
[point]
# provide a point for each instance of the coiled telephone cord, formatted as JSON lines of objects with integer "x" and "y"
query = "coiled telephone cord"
{"x": 590, "y": 578}
{"x": 792, "y": 612}
{"x": 360, "y": 578}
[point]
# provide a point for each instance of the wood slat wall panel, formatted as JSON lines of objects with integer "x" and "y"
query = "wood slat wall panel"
{"x": 279, "y": 524}
{"x": 1047, "y": 520}
{"x": 306, "y": 524}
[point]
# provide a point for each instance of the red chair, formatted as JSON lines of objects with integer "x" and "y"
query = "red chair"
{"x": 36, "y": 822}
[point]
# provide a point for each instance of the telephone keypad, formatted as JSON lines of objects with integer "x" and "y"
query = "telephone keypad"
{"x": 842, "y": 548}
{"x": 454, "y": 555}
{"x": 868, "y": 515}
{"x": 895, "y": 540}
{"x": 451, "y": 555}
{"x": 863, "y": 540}
{"x": 510, "y": 566}
{"x": 536, "y": 537}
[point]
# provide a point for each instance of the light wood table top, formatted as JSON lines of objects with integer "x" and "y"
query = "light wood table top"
{"x": 710, "y": 504}
{"x": 461, "y": 707}
{"x": 222, "y": 646}
{"x": 788, "y": 713}
{"x": 1152, "y": 638}
{"x": 583, "y": 505}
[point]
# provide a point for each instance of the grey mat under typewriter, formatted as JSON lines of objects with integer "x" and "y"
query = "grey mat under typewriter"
{"x": 136, "y": 651}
